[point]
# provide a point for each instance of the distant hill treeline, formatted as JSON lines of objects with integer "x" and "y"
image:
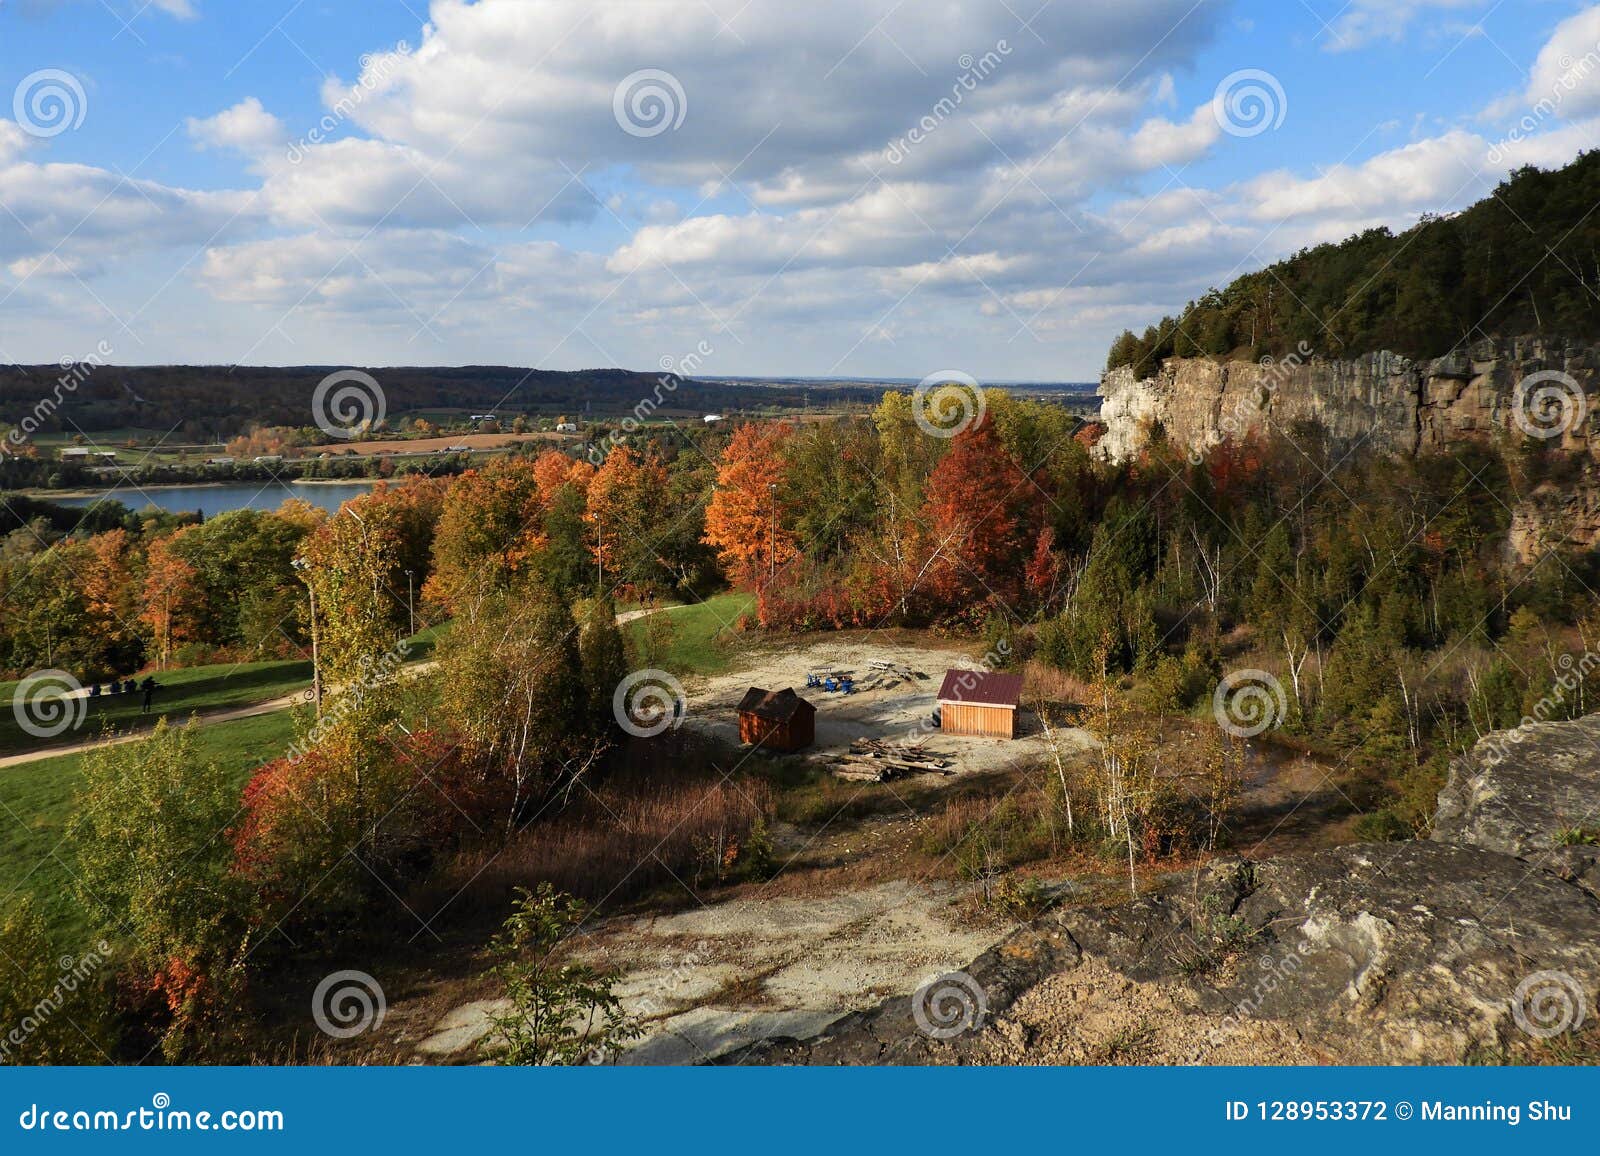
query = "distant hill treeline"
{"x": 208, "y": 402}
{"x": 1524, "y": 260}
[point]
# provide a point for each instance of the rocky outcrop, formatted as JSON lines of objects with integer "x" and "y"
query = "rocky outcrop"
{"x": 1517, "y": 791}
{"x": 1481, "y": 940}
{"x": 1380, "y": 401}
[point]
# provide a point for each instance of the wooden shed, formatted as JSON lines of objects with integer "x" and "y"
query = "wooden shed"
{"x": 778, "y": 720}
{"x": 976, "y": 702}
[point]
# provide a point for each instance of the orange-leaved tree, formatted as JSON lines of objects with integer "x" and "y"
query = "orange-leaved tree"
{"x": 745, "y": 517}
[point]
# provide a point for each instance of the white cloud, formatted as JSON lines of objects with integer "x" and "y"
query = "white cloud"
{"x": 247, "y": 127}
{"x": 1362, "y": 22}
{"x": 1566, "y": 73}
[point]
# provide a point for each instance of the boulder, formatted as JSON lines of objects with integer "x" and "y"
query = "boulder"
{"x": 1517, "y": 791}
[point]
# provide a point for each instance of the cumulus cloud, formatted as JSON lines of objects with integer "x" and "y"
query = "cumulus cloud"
{"x": 1566, "y": 75}
{"x": 247, "y": 127}
{"x": 849, "y": 180}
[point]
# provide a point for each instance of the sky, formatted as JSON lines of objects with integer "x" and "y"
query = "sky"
{"x": 864, "y": 188}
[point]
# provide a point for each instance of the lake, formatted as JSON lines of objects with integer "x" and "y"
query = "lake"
{"x": 213, "y": 500}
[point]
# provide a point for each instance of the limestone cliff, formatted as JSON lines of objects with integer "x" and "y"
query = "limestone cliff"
{"x": 1500, "y": 391}
{"x": 1379, "y": 400}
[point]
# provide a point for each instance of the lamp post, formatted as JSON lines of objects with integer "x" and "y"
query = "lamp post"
{"x": 411, "y": 609}
{"x": 300, "y": 568}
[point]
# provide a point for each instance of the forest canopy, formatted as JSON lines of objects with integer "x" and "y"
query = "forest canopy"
{"x": 1524, "y": 260}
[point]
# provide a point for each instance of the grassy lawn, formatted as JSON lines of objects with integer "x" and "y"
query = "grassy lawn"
{"x": 198, "y": 688}
{"x": 182, "y": 692}
{"x": 701, "y": 640}
{"x": 36, "y": 803}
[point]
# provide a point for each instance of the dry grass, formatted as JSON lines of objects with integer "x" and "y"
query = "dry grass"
{"x": 1048, "y": 684}
{"x": 617, "y": 843}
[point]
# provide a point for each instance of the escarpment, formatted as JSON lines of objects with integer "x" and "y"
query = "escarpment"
{"x": 1503, "y": 392}
{"x": 1381, "y": 402}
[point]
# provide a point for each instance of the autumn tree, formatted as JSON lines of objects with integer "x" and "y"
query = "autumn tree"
{"x": 489, "y": 531}
{"x": 153, "y": 871}
{"x": 513, "y": 689}
{"x": 625, "y": 514}
{"x": 983, "y": 521}
{"x": 744, "y": 520}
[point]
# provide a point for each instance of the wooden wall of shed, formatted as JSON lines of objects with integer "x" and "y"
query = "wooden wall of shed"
{"x": 990, "y": 722}
{"x": 796, "y": 734}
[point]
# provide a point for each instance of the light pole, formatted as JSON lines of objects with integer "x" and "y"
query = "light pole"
{"x": 300, "y": 568}
{"x": 772, "y": 531}
{"x": 411, "y": 610}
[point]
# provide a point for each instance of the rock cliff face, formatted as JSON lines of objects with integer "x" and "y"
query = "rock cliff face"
{"x": 1382, "y": 401}
{"x": 1482, "y": 941}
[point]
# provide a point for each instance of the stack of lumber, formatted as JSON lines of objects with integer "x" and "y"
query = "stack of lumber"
{"x": 874, "y": 761}
{"x": 884, "y": 674}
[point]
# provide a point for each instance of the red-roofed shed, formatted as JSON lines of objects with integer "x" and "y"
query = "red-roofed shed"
{"x": 977, "y": 702}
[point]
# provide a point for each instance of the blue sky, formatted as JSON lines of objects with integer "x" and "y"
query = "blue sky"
{"x": 478, "y": 197}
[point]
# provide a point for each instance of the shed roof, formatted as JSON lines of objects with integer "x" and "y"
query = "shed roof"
{"x": 981, "y": 687}
{"x": 775, "y": 705}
